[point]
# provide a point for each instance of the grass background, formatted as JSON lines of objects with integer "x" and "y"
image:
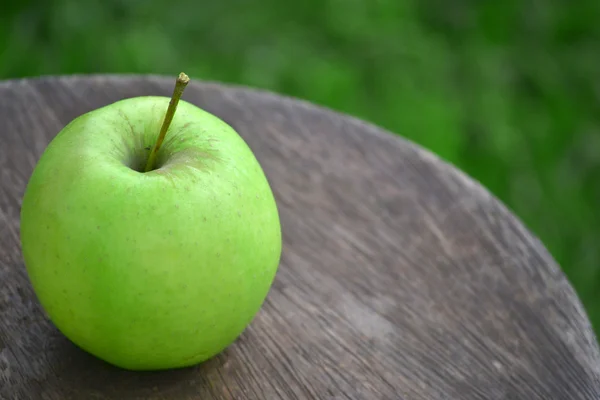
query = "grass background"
{"x": 509, "y": 90}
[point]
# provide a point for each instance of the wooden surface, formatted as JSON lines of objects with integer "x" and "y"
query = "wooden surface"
{"x": 400, "y": 277}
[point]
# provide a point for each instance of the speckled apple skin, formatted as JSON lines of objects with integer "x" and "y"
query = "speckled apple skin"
{"x": 154, "y": 270}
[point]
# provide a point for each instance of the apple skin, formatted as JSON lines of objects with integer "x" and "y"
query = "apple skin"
{"x": 156, "y": 270}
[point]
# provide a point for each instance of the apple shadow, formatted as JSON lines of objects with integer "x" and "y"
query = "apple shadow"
{"x": 79, "y": 374}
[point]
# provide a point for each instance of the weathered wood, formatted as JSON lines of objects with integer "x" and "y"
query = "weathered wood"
{"x": 400, "y": 277}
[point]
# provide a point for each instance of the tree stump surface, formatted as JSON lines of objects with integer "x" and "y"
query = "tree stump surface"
{"x": 400, "y": 278}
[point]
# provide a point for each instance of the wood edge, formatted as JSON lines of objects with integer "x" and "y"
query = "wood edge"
{"x": 425, "y": 155}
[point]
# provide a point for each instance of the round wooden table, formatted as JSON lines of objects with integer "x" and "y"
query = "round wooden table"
{"x": 401, "y": 278}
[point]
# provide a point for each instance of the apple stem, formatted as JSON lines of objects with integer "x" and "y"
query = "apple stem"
{"x": 180, "y": 84}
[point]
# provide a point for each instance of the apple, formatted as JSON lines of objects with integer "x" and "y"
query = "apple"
{"x": 151, "y": 238}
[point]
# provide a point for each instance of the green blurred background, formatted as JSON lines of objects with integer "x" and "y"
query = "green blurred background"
{"x": 509, "y": 90}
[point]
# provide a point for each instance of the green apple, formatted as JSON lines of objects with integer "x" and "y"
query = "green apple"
{"x": 148, "y": 254}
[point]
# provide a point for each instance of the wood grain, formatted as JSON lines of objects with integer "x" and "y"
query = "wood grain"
{"x": 400, "y": 277}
